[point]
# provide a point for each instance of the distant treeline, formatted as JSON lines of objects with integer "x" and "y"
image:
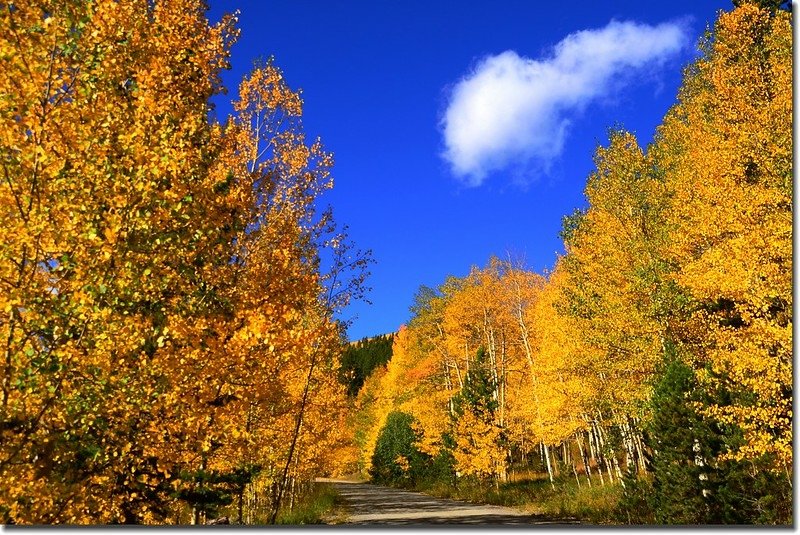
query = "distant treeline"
{"x": 360, "y": 358}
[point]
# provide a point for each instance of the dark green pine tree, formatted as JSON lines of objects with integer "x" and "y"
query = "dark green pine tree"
{"x": 689, "y": 484}
{"x": 683, "y": 448}
{"x": 772, "y": 5}
{"x": 396, "y": 439}
{"x": 359, "y": 359}
{"x": 206, "y": 491}
{"x": 478, "y": 394}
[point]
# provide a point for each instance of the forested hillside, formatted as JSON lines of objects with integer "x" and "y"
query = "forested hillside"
{"x": 359, "y": 359}
{"x": 656, "y": 355}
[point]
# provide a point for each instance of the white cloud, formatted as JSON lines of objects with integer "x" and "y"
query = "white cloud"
{"x": 515, "y": 110}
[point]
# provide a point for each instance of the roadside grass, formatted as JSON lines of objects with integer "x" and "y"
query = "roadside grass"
{"x": 595, "y": 505}
{"x": 316, "y": 507}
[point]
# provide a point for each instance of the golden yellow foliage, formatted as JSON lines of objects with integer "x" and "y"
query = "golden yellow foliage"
{"x": 163, "y": 313}
{"x": 727, "y": 149}
{"x": 684, "y": 251}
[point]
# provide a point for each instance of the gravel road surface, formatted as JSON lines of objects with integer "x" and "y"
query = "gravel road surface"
{"x": 376, "y": 505}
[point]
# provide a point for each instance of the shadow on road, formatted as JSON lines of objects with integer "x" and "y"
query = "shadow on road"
{"x": 375, "y": 505}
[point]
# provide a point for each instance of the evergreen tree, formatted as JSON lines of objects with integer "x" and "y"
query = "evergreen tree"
{"x": 359, "y": 359}
{"x": 772, "y": 5}
{"x": 477, "y": 396}
{"x": 692, "y": 481}
{"x": 480, "y": 443}
{"x": 683, "y": 446}
{"x": 396, "y": 460}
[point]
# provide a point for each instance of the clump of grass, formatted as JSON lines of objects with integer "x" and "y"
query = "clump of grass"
{"x": 312, "y": 508}
{"x": 514, "y": 493}
{"x": 596, "y": 504}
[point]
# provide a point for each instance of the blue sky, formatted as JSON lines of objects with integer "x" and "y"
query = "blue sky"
{"x": 466, "y": 129}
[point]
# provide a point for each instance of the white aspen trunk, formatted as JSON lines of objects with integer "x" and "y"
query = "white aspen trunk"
{"x": 467, "y": 358}
{"x": 247, "y": 505}
{"x": 251, "y": 503}
{"x": 636, "y": 444}
{"x": 502, "y": 383}
{"x": 446, "y": 374}
{"x": 497, "y": 393}
{"x": 448, "y": 386}
{"x": 534, "y": 382}
{"x": 617, "y": 469}
{"x": 541, "y": 451}
{"x": 592, "y": 455}
{"x": 582, "y": 452}
{"x": 574, "y": 470}
{"x": 627, "y": 442}
{"x": 492, "y": 350}
{"x": 632, "y": 436}
{"x": 556, "y": 467}
{"x": 602, "y": 442}
{"x": 549, "y": 467}
{"x": 556, "y": 464}
{"x": 294, "y": 479}
{"x": 630, "y": 440}
{"x": 460, "y": 377}
{"x": 613, "y": 452}
{"x": 567, "y": 457}
{"x": 640, "y": 449}
{"x": 597, "y": 453}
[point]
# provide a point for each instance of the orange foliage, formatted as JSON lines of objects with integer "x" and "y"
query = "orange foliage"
{"x": 162, "y": 308}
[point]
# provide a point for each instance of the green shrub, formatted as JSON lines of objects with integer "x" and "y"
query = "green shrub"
{"x": 396, "y": 461}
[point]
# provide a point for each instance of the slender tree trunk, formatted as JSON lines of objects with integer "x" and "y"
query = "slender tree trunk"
{"x": 601, "y": 449}
{"x": 609, "y": 464}
{"x": 582, "y": 452}
{"x": 627, "y": 442}
{"x": 595, "y": 453}
{"x": 640, "y": 449}
{"x": 788, "y": 474}
{"x": 549, "y": 467}
{"x": 614, "y": 459}
{"x": 196, "y": 511}
{"x": 570, "y": 458}
{"x": 239, "y": 508}
{"x": 253, "y": 501}
{"x": 293, "y": 445}
{"x": 448, "y": 387}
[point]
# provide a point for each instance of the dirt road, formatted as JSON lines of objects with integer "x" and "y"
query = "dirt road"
{"x": 372, "y": 504}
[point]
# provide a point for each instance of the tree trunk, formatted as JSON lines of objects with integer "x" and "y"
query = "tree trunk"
{"x": 293, "y": 445}
{"x": 549, "y": 467}
{"x": 570, "y": 458}
{"x": 595, "y": 453}
{"x": 240, "y": 504}
{"x": 582, "y": 452}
